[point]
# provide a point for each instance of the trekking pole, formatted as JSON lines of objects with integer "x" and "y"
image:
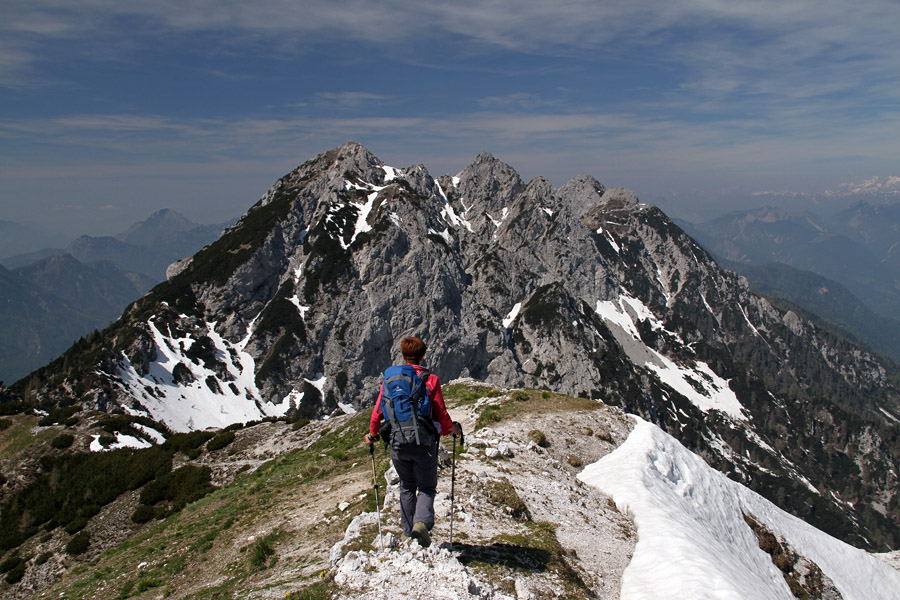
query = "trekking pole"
{"x": 375, "y": 485}
{"x": 453, "y": 484}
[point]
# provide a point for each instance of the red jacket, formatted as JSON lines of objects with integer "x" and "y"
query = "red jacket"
{"x": 438, "y": 408}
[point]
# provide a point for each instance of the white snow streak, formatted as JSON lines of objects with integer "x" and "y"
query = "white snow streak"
{"x": 693, "y": 542}
{"x": 512, "y": 315}
{"x": 295, "y": 300}
{"x": 194, "y": 405}
{"x": 612, "y": 242}
{"x": 122, "y": 441}
{"x": 390, "y": 173}
{"x": 697, "y": 382}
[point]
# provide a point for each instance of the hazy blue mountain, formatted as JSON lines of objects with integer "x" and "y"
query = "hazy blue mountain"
{"x": 827, "y": 299}
{"x": 19, "y": 238}
{"x": 35, "y": 325}
{"x": 806, "y": 242}
{"x": 52, "y": 297}
{"x": 875, "y": 226}
{"x": 297, "y": 310}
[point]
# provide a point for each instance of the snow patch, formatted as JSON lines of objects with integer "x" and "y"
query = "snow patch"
{"x": 390, "y": 173}
{"x": 295, "y": 300}
{"x": 122, "y": 441}
{"x": 445, "y": 235}
{"x": 612, "y": 242}
{"x": 150, "y": 433}
{"x": 208, "y": 400}
{"x": 696, "y": 382}
{"x": 508, "y": 321}
{"x": 693, "y": 542}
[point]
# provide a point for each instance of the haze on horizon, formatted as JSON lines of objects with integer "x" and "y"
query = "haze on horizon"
{"x": 111, "y": 111}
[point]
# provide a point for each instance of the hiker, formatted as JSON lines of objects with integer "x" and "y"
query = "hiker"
{"x": 413, "y": 440}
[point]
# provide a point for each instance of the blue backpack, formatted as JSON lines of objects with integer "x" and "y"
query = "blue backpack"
{"x": 406, "y": 405}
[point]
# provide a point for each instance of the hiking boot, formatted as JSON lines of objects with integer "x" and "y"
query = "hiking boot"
{"x": 420, "y": 534}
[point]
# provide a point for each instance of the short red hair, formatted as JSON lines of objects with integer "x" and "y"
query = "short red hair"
{"x": 413, "y": 349}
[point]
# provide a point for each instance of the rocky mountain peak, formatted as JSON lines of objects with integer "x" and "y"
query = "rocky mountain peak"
{"x": 162, "y": 222}
{"x": 298, "y": 309}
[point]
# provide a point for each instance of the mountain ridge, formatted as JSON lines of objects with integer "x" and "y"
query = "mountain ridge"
{"x": 298, "y": 308}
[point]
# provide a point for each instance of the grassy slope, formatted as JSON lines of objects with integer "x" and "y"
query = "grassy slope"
{"x": 270, "y": 530}
{"x": 229, "y": 541}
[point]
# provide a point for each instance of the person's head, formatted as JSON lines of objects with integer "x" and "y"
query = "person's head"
{"x": 413, "y": 350}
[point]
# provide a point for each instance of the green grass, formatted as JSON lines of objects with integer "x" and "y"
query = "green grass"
{"x": 464, "y": 393}
{"x": 529, "y": 401}
{"x": 534, "y": 549}
{"x": 261, "y": 551}
{"x": 19, "y": 436}
{"x": 214, "y": 524}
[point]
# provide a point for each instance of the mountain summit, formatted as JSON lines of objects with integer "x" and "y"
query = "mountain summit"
{"x": 299, "y": 307}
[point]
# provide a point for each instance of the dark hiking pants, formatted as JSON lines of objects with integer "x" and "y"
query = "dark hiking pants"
{"x": 417, "y": 469}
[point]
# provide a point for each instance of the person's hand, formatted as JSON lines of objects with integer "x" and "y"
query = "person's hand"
{"x": 456, "y": 429}
{"x": 371, "y": 439}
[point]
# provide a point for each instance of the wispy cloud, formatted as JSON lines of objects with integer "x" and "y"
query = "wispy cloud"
{"x": 352, "y": 100}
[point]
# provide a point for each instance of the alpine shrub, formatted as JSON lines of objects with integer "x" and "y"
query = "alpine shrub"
{"x": 180, "y": 487}
{"x": 261, "y": 551}
{"x": 16, "y": 574}
{"x": 220, "y": 441}
{"x": 186, "y": 442}
{"x": 63, "y": 440}
{"x": 142, "y": 513}
{"x": 79, "y": 543}
{"x": 10, "y": 563}
{"x": 537, "y": 436}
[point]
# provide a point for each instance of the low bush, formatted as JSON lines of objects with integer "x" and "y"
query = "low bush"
{"x": 261, "y": 550}
{"x": 10, "y": 563}
{"x": 16, "y": 574}
{"x": 78, "y": 544}
{"x": 188, "y": 442}
{"x": 180, "y": 487}
{"x": 58, "y": 415}
{"x": 63, "y": 440}
{"x": 519, "y": 396}
{"x": 220, "y": 441}
{"x": 74, "y": 487}
{"x": 76, "y": 525}
{"x": 537, "y": 436}
{"x": 42, "y": 558}
{"x": 142, "y": 513}
{"x": 488, "y": 416}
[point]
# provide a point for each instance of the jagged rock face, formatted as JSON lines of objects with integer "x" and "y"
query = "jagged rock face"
{"x": 582, "y": 289}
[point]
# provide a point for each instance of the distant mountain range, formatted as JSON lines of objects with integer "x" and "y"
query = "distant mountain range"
{"x": 855, "y": 254}
{"x": 16, "y": 238}
{"x": 584, "y": 290}
{"x": 51, "y": 297}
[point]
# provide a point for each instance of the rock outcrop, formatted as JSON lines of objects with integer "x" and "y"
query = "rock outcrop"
{"x": 582, "y": 289}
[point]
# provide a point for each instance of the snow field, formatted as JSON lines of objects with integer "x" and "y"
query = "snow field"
{"x": 193, "y": 406}
{"x": 693, "y": 540}
{"x": 621, "y": 314}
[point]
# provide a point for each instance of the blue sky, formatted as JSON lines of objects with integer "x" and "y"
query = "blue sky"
{"x": 110, "y": 110}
